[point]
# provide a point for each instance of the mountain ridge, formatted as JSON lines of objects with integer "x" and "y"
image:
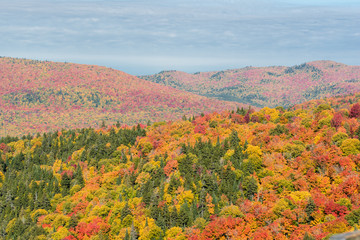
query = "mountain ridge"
{"x": 43, "y": 95}
{"x": 268, "y": 86}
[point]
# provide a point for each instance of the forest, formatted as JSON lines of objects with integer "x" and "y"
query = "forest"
{"x": 43, "y": 96}
{"x": 267, "y": 86}
{"x": 273, "y": 173}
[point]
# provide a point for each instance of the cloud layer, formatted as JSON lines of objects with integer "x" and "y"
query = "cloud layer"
{"x": 142, "y": 37}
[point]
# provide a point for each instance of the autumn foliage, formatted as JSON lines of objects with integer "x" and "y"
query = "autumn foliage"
{"x": 289, "y": 174}
{"x": 268, "y": 86}
{"x": 42, "y": 96}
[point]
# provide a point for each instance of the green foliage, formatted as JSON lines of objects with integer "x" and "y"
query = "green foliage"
{"x": 233, "y": 181}
{"x": 278, "y": 130}
{"x": 250, "y": 187}
{"x": 293, "y": 150}
{"x": 339, "y": 138}
{"x": 322, "y": 107}
{"x": 350, "y": 146}
{"x": 353, "y": 217}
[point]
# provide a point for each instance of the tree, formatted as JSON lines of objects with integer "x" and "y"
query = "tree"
{"x": 336, "y": 120}
{"x": 350, "y": 146}
{"x": 355, "y": 111}
{"x": 250, "y": 187}
{"x": 65, "y": 184}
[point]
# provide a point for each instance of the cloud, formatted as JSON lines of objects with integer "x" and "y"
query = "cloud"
{"x": 181, "y": 31}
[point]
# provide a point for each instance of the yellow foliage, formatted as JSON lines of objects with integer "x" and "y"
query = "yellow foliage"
{"x": 317, "y": 139}
{"x": 318, "y": 217}
{"x": 350, "y": 146}
{"x": 150, "y": 166}
{"x": 268, "y": 112}
{"x": 108, "y": 180}
{"x": 56, "y": 168}
{"x": 60, "y": 234}
{"x": 75, "y": 189}
{"x": 185, "y": 196}
{"x": 149, "y": 232}
{"x": 77, "y": 154}
{"x": 61, "y": 220}
{"x": 200, "y": 223}
{"x": 101, "y": 211}
{"x": 10, "y": 225}
{"x": 336, "y": 227}
{"x": 142, "y": 178}
{"x": 280, "y": 206}
{"x": 228, "y": 154}
{"x": 324, "y": 122}
{"x": 91, "y": 173}
{"x": 134, "y": 202}
{"x": 55, "y": 200}
{"x": 174, "y": 233}
{"x": 37, "y": 213}
{"x": 2, "y": 176}
{"x": 127, "y": 221}
{"x": 338, "y": 138}
{"x": 253, "y": 150}
{"x": 116, "y": 227}
{"x": 41, "y": 237}
{"x": 18, "y": 146}
{"x": 300, "y": 195}
{"x": 35, "y": 142}
{"x": 231, "y": 210}
{"x": 144, "y": 146}
{"x": 167, "y": 198}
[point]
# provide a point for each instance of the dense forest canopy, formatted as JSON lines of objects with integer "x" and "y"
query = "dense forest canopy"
{"x": 268, "y": 174}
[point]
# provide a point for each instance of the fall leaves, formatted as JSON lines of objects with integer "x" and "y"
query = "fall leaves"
{"x": 289, "y": 173}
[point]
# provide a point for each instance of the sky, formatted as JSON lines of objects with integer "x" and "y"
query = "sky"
{"x": 145, "y": 37}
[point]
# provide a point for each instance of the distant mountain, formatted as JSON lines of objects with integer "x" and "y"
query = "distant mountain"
{"x": 268, "y": 86}
{"x": 38, "y": 96}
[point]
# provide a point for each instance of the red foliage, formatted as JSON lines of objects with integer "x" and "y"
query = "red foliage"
{"x": 355, "y": 111}
{"x": 336, "y": 120}
{"x": 335, "y": 209}
{"x": 255, "y": 119}
{"x": 56, "y": 89}
{"x": 94, "y": 227}
{"x": 5, "y": 148}
{"x": 262, "y": 234}
{"x": 70, "y": 237}
{"x": 200, "y": 129}
{"x": 247, "y": 117}
{"x": 221, "y": 227}
{"x": 68, "y": 172}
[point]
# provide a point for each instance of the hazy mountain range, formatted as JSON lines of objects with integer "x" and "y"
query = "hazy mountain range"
{"x": 267, "y": 86}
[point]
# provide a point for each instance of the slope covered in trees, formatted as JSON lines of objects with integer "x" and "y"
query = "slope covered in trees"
{"x": 268, "y": 86}
{"x": 42, "y": 96}
{"x": 270, "y": 174}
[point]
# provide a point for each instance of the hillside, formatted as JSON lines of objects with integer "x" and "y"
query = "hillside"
{"x": 268, "y": 86}
{"x": 271, "y": 174}
{"x": 38, "y": 96}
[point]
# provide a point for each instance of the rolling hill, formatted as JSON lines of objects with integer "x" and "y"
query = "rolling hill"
{"x": 269, "y": 174}
{"x": 268, "y": 86}
{"x": 38, "y": 96}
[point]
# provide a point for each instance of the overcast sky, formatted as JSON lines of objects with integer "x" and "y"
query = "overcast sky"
{"x": 147, "y": 36}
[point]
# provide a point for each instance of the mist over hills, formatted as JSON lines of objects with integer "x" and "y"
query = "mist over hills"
{"x": 268, "y": 86}
{"x": 39, "y": 96}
